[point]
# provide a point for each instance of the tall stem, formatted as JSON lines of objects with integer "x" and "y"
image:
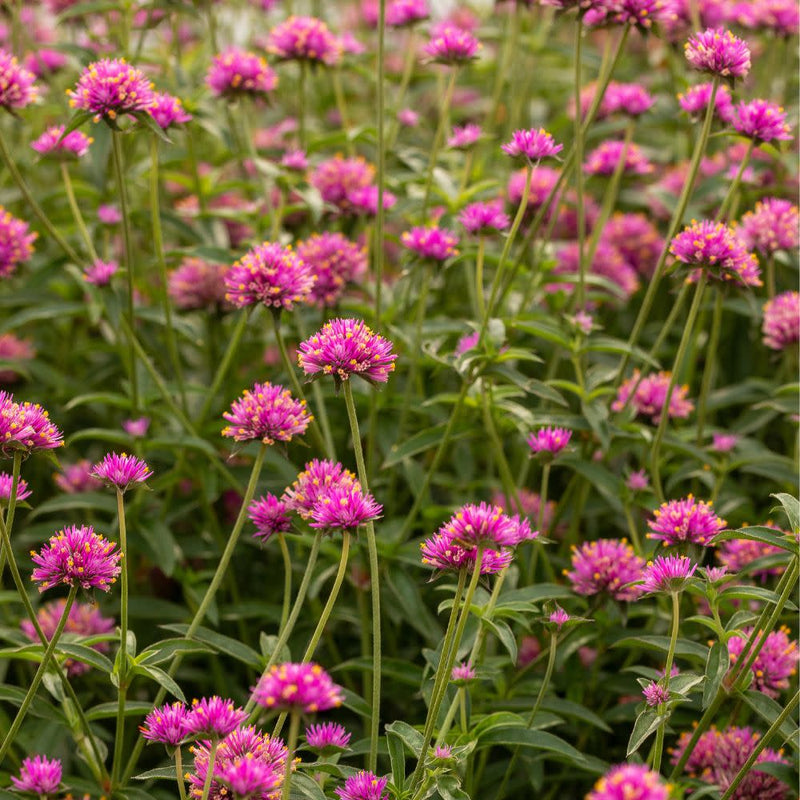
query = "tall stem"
{"x": 291, "y": 745}
{"x": 708, "y": 370}
{"x": 76, "y": 212}
{"x": 381, "y": 166}
{"x": 212, "y": 758}
{"x": 287, "y": 579}
{"x": 179, "y": 773}
{"x": 438, "y": 139}
{"x": 578, "y": 138}
{"x": 480, "y": 300}
{"x": 673, "y": 640}
{"x": 301, "y": 108}
{"x": 374, "y": 578}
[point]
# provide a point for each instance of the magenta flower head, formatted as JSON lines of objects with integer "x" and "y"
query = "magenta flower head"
{"x": 17, "y": 88}
{"x": 248, "y": 777}
{"x": 305, "y": 39}
{"x": 781, "y": 325}
{"x": 7, "y": 483}
{"x": 714, "y": 247}
{"x": 270, "y": 274}
{"x": 316, "y": 480}
{"x": 655, "y": 694}
{"x": 718, "y": 52}
{"x": 452, "y": 45}
{"x": 99, "y": 273}
{"x": 761, "y": 121}
{"x": 603, "y": 160}
{"x": 53, "y": 144}
{"x": 338, "y": 177}
{"x": 650, "y": 395}
{"x": 267, "y": 412}
{"x": 327, "y": 738}
{"x": 305, "y": 688}
{"x": 213, "y": 717}
{"x": 771, "y": 226}
{"x": 685, "y": 521}
{"x": 667, "y": 574}
{"x": 464, "y": 138}
{"x": 167, "y": 110}
{"x": 775, "y": 663}
{"x": 75, "y": 478}
{"x": 26, "y": 426}
{"x": 237, "y": 73}
{"x": 16, "y": 244}
{"x": 629, "y": 782}
{"x": 431, "y": 243}
{"x": 39, "y": 775}
{"x": 197, "y": 284}
{"x": 631, "y": 99}
{"x": 166, "y": 724}
{"x": 269, "y": 515}
{"x": 344, "y": 508}
{"x": 76, "y": 556}
{"x": 405, "y": 13}
{"x": 363, "y": 786}
{"x": 549, "y": 441}
{"x": 121, "y": 471}
{"x": 532, "y": 145}
{"x": 694, "y": 101}
{"x": 605, "y": 566}
{"x": 462, "y": 673}
{"x": 442, "y": 552}
{"x": 111, "y": 87}
{"x": 723, "y": 442}
{"x": 109, "y": 214}
{"x": 558, "y": 618}
{"x": 345, "y": 347}
{"x": 482, "y": 218}
{"x": 335, "y": 261}
{"x": 485, "y": 525}
{"x": 739, "y": 554}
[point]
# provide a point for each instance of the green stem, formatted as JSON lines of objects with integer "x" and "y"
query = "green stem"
{"x": 405, "y": 80}
{"x": 578, "y": 139}
{"x": 341, "y": 107}
{"x": 380, "y": 99}
{"x": 479, "y": 296}
{"x": 635, "y": 540}
{"x": 655, "y": 463}
{"x": 291, "y": 745}
{"x": 542, "y": 499}
{"x": 212, "y": 758}
{"x": 374, "y": 578}
{"x": 179, "y": 773}
{"x": 770, "y": 276}
{"x": 510, "y": 40}
{"x": 76, "y": 212}
{"x": 287, "y": 579}
{"x": 734, "y": 187}
{"x": 673, "y": 640}
{"x": 37, "y": 678}
{"x": 301, "y": 105}
{"x": 438, "y": 138}
{"x": 708, "y": 370}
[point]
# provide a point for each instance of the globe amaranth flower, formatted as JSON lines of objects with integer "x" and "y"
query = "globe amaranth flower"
{"x": 213, "y": 717}
{"x": 363, "y": 786}
{"x": 334, "y": 261}
{"x": 715, "y": 248}
{"x": 84, "y": 619}
{"x": 315, "y": 481}
{"x": 99, "y": 273}
{"x": 121, "y": 470}
{"x": 246, "y": 777}
{"x": 26, "y": 426}
{"x": 270, "y": 274}
{"x": 345, "y": 347}
{"x": 481, "y": 218}
{"x": 17, "y": 87}
{"x": 558, "y": 618}
{"x": 781, "y": 17}
{"x": 346, "y": 507}
{"x": 549, "y": 440}
{"x": 631, "y": 99}
{"x": 168, "y": 110}
{"x": 608, "y": 262}
{"x": 6, "y": 484}
{"x": 363, "y": 201}
{"x": 605, "y": 566}
{"x": 655, "y": 694}
{"x": 666, "y": 574}
{"x": 404, "y": 13}
{"x": 685, "y": 521}
{"x": 294, "y": 160}
{"x": 76, "y": 478}
{"x": 12, "y": 348}
{"x": 327, "y": 737}
{"x": 197, "y": 284}
{"x": 39, "y": 775}
{"x": 166, "y": 724}
{"x": 719, "y": 755}
{"x": 238, "y": 73}
{"x": 442, "y": 552}
{"x": 761, "y": 121}
{"x": 16, "y": 244}
{"x": 718, "y": 52}
{"x": 53, "y": 144}
{"x": 772, "y": 225}
{"x": 267, "y": 412}
{"x": 605, "y": 158}
{"x": 269, "y": 515}
{"x": 694, "y": 101}
{"x": 451, "y": 45}
{"x": 723, "y": 442}
{"x": 305, "y": 39}
{"x": 485, "y": 525}
{"x": 76, "y": 556}
{"x": 629, "y": 782}
{"x": 338, "y": 177}
{"x": 462, "y": 673}
{"x": 431, "y": 243}
{"x": 638, "y": 481}
{"x": 408, "y": 118}
{"x": 463, "y": 138}
{"x": 533, "y": 145}
{"x": 781, "y": 324}
{"x": 305, "y": 688}
{"x": 650, "y": 395}
{"x": 775, "y": 663}
{"x": 111, "y": 87}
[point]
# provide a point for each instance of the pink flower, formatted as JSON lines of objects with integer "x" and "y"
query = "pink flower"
{"x": 605, "y": 565}
{"x": 363, "y": 786}
{"x": 17, "y": 88}
{"x": 718, "y": 52}
{"x": 6, "y": 484}
{"x": 629, "y": 782}
{"x": 334, "y": 261}
{"x": 724, "y": 442}
{"x": 781, "y": 325}
{"x": 109, "y": 214}
{"x": 667, "y": 574}
{"x": 344, "y": 508}
{"x": 337, "y": 177}
{"x": 168, "y": 110}
{"x": 549, "y": 440}
{"x": 650, "y": 395}
{"x": 238, "y": 73}
{"x": 761, "y": 121}
{"x": 408, "y": 117}
{"x": 136, "y": 427}
{"x": 486, "y": 525}
{"x": 327, "y": 737}
{"x": 166, "y": 724}
{"x": 267, "y": 412}
{"x": 739, "y": 554}
{"x": 99, "y": 273}
{"x": 775, "y": 663}
{"x": 442, "y": 552}
{"x": 269, "y": 515}
{"x": 481, "y": 218}
{"x": 655, "y": 694}
{"x": 247, "y": 777}
{"x": 604, "y": 159}
{"x": 463, "y": 138}
{"x": 294, "y": 161}
{"x": 12, "y": 348}
{"x": 306, "y": 688}
{"x": 404, "y": 13}
{"x": 680, "y": 521}
{"x": 558, "y": 617}
{"x": 26, "y": 426}
{"x": 111, "y": 87}
{"x": 316, "y": 480}
{"x": 39, "y": 775}
{"x": 431, "y": 243}
{"x": 637, "y": 481}
{"x": 363, "y": 201}
{"x": 76, "y": 478}
{"x": 771, "y": 226}
{"x": 345, "y": 347}
{"x": 76, "y": 556}
{"x": 694, "y": 101}
{"x": 213, "y": 717}
{"x": 452, "y": 45}
{"x": 197, "y": 284}
{"x": 631, "y": 99}
{"x": 533, "y": 145}
{"x": 462, "y": 673}
{"x": 16, "y": 244}
{"x": 74, "y": 145}
{"x": 121, "y": 471}
{"x": 305, "y": 39}
{"x": 270, "y": 274}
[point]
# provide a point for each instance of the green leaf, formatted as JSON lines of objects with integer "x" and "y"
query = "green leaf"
{"x": 567, "y": 708}
{"x": 133, "y": 708}
{"x": 513, "y": 736}
{"x": 410, "y": 737}
{"x": 419, "y": 443}
{"x": 683, "y": 647}
{"x": 504, "y": 633}
{"x": 167, "y": 648}
{"x": 759, "y": 533}
{"x": 222, "y": 644}
{"x": 769, "y": 710}
{"x": 93, "y": 501}
{"x": 716, "y": 667}
{"x": 103, "y": 434}
{"x": 86, "y": 655}
{"x": 758, "y": 593}
{"x": 608, "y": 344}
{"x": 791, "y": 505}
{"x": 147, "y": 121}
{"x": 38, "y": 313}
{"x": 645, "y": 726}
{"x": 305, "y": 787}
{"x": 168, "y": 773}
{"x": 161, "y": 678}
{"x": 163, "y": 548}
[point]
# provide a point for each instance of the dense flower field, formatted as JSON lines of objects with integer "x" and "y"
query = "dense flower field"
{"x": 399, "y": 400}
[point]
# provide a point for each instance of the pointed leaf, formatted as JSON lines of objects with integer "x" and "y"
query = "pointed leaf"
{"x": 716, "y": 666}
{"x": 645, "y": 726}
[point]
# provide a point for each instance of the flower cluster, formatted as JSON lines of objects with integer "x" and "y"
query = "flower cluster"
{"x": 629, "y": 782}
{"x": 214, "y": 717}
{"x": 39, "y": 775}
{"x": 761, "y": 121}
{"x": 168, "y": 110}
{"x": 17, "y": 88}
{"x": 363, "y": 786}
{"x": 685, "y": 521}
{"x": 694, "y": 101}
{"x": 647, "y": 395}
{"x": 298, "y": 687}
{"x": 121, "y": 470}
{"x": 327, "y": 737}
{"x": 305, "y": 39}
{"x": 267, "y": 412}
{"x": 605, "y": 159}
{"x": 269, "y": 515}
{"x": 317, "y": 479}
{"x": 532, "y": 145}
{"x": 26, "y": 426}
{"x": 772, "y": 225}
{"x": 344, "y": 507}
{"x": 16, "y": 244}
{"x": 334, "y": 261}
{"x": 718, "y": 52}
{"x": 7, "y": 484}
{"x": 238, "y": 73}
{"x": 775, "y": 663}
{"x": 668, "y": 574}
{"x": 431, "y": 243}
{"x": 607, "y": 566}
{"x": 781, "y": 326}
{"x": 483, "y": 218}
{"x": 452, "y": 45}
{"x": 197, "y": 284}
{"x": 54, "y": 144}
{"x": 111, "y": 87}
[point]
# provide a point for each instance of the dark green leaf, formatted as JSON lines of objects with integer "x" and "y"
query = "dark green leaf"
{"x": 222, "y": 644}
{"x": 645, "y": 726}
{"x": 716, "y": 667}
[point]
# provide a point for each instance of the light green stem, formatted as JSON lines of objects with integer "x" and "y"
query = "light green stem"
{"x": 341, "y": 107}
{"x": 578, "y": 140}
{"x": 479, "y": 296}
{"x": 301, "y": 107}
{"x": 708, "y": 370}
{"x": 76, "y": 212}
{"x": 212, "y": 758}
{"x": 438, "y": 139}
{"x": 179, "y": 773}
{"x": 291, "y": 745}
{"x": 673, "y": 640}
{"x": 287, "y": 579}
{"x": 380, "y": 216}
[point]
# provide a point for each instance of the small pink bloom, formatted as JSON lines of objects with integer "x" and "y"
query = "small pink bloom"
{"x": 121, "y": 471}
